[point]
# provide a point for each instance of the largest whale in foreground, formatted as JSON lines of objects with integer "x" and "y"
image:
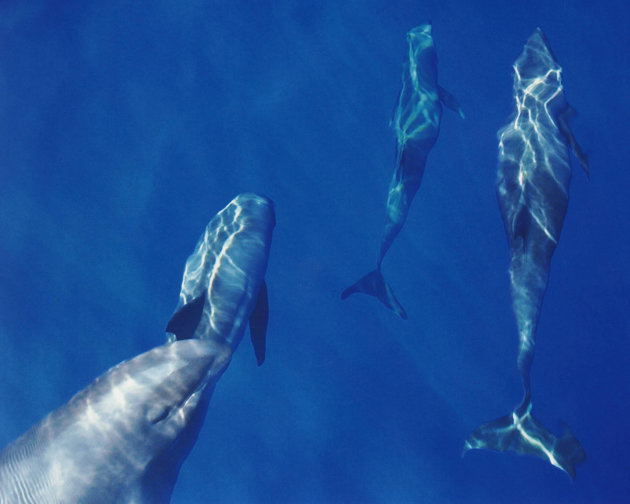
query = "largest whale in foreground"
{"x": 124, "y": 437}
{"x": 417, "y": 124}
{"x": 533, "y": 193}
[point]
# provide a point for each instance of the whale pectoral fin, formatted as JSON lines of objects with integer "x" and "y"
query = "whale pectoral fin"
{"x": 563, "y": 125}
{"x": 184, "y": 321}
{"x": 375, "y": 285}
{"x": 449, "y": 101}
{"x": 526, "y": 435}
{"x": 258, "y": 323}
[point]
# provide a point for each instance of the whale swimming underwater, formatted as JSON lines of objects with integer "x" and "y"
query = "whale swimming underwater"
{"x": 124, "y": 437}
{"x": 417, "y": 124}
{"x": 533, "y": 178}
{"x": 223, "y": 288}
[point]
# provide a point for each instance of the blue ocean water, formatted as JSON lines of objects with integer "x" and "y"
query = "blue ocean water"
{"x": 125, "y": 127}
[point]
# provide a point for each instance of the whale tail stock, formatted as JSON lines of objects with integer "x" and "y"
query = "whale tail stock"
{"x": 520, "y": 432}
{"x": 375, "y": 285}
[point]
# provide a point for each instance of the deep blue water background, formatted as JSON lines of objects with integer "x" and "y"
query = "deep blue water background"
{"x": 125, "y": 127}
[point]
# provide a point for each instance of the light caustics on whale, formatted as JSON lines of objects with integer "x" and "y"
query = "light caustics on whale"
{"x": 417, "y": 125}
{"x": 124, "y": 438}
{"x": 223, "y": 286}
{"x": 533, "y": 178}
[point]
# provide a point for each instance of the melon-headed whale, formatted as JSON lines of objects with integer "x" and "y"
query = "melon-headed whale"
{"x": 124, "y": 437}
{"x": 533, "y": 178}
{"x": 223, "y": 288}
{"x": 417, "y": 124}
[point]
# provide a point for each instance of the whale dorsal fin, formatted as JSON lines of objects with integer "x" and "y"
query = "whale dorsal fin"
{"x": 258, "y": 323}
{"x": 449, "y": 100}
{"x": 184, "y": 321}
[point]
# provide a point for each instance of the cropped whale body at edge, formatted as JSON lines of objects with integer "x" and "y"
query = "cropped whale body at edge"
{"x": 124, "y": 437}
{"x": 417, "y": 125}
{"x": 533, "y": 177}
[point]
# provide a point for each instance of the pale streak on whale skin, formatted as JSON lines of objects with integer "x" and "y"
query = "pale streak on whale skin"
{"x": 223, "y": 287}
{"x": 533, "y": 192}
{"x": 123, "y": 438}
{"x": 417, "y": 124}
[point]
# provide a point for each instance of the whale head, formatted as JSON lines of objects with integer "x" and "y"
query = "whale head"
{"x": 422, "y": 57}
{"x": 537, "y": 59}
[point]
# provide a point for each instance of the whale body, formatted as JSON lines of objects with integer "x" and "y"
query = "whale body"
{"x": 417, "y": 124}
{"x": 533, "y": 177}
{"x": 223, "y": 288}
{"x": 124, "y": 438}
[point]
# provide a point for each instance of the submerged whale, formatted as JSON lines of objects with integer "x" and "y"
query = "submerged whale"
{"x": 533, "y": 178}
{"x": 417, "y": 124}
{"x": 223, "y": 288}
{"x": 124, "y": 438}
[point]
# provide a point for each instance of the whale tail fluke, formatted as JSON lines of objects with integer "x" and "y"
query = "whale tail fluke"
{"x": 526, "y": 435}
{"x": 375, "y": 285}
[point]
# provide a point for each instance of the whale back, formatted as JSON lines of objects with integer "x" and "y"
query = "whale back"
{"x": 112, "y": 436}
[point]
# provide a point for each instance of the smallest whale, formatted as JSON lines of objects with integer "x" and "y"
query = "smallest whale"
{"x": 417, "y": 124}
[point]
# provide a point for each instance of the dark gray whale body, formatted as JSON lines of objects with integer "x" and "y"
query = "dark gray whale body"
{"x": 124, "y": 437}
{"x": 533, "y": 193}
{"x": 417, "y": 124}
